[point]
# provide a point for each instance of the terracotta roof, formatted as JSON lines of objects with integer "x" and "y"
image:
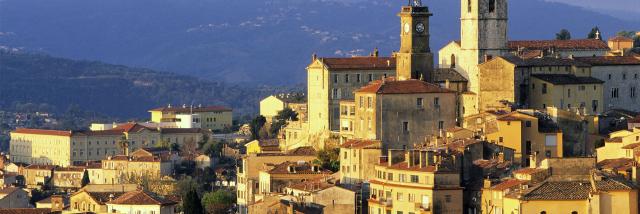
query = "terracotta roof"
{"x": 312, "y": 186}
{"x": 303, "y": 151}
{"x": 574, "y": 44}
{"x": 132, "y": 127}
{"x": 614, "y": 140}
{"x": 528, "y": 171}
{"x": 529, "y": 54}
{"x": 631, "y": 146}
{"x": 620, "y": 39}
{"x": 444, "y": 74}
{"x": 70, "y": 169}
{"x": 359, "y": 143}
{"x": 634, "y": 120}
{"x": 194, "y": 109}
{"x": 566, "y": 79}
{"x": 614, "y": 183}
{"x": 43, "y": 132}
{"x": 135, "y": 158}
{"x": 180, "y": 130}
{"x": 104, "y": 132}
{"x": 558, "y": 190}
{"x": 620, "y": 164}
{"x": 360, "y": 63}
{"x": 141, "y": 197}
{"x": 268, "y": 142}
{"x": 610, "y": 60}
{"x": 44, "y": 167}
{"x": 300, "y": 168}
{"x": 544, "y": 61}
{"x": 402, "y": 87}
{"x": 493, "y": 163}
{"x": 26, "y": 211}
{"x": 508, "y": 184}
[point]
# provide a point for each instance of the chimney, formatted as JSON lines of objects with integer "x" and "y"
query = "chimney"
{"x": 314, "y": 57}
{"x": 375, "y": 52}
{"x": 446, "y": 83}
{"x": 501, "y": 157}
{"x": 57, "y": 203}
{"x": 395, "y": 156}
{"x": 388, "y": 63}
{"x": 533, "y": 160}
{"x": 487, "y": 183}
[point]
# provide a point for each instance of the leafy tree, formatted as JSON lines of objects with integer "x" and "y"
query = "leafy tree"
{"x": 564, "y": 34}
{"x": 85, "y": 178}
{"x": 191, "y": 203}
{"x": 628, "y": 34}
{"x": 593, "y": 34}
{"x": 329, "y": 159}
{"x": 256, "y": 125}
{"x": 218, "y": 201}
{"x": 280, "y": 120}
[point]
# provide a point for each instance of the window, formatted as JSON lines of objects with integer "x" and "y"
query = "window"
{"x": 609, "y": 76}
{"x": 346, "y": 78}
{"x": 441, "y": 125}
{"x": 569, "y": 92}
{"x": 468, "y": 6}
{"x": 533, "y": 86}
{"x": 614, "y": 92}
{"x": 419, "y": 103}
{"x": 334, "y": 93}
{"x": 547, "y": 153}
{"x": 501, "y": 139}
{"x": 581, "y": 88}
{"x": 414, "y": 179}
{"x": 370, "y": 77}
{"x": 402, "y": 177}
{"x": 492, "y": 6}
{"x": 453, "y": 61}
{"x": 369, "y": 102}
{"x": 436, "y": 102}
{"x": 544, "y": 88}
{"x": 624, "y": 76}
{"x": 594, "y": 105}
{"x": 632, "y": 92}
{"x": 335, "y": 78}
{"x": 447, "y": 198}
{"x": 405, "y": 127}
{"x": 345, "y": 155}
{"x": 635, "y": 76}
{"x": 543, "y": 212}
{"x": 574, "y": 212}
{"x": 527, "y": 123}
{"x": 358, "y": 79}
{"x": 361, "y": 102}
{"x": 399, "y": 196}
{"x": 390, "y": 176}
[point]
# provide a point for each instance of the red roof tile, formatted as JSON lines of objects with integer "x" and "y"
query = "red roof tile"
{"x": 131, "y": 127}
{"x": 511, "y": 183}
{"x": 402, "y": 87}
{"x": 360, "y": 63}
{"x": 610, "y": 60}
{"x": 631, "y": 146}
{"x": 141, "y": 197}
{"x": 358, "y": 143}
{"x": 26, "y": 211}
{"x": 43, "y": 132}
{"x": 527, "y": 171}
{"x": 574, "y": 44}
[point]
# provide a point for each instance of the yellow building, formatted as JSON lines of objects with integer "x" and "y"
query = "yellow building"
{"x": 403, "y": 113}
{"x": 37, "y": 175}
{"x": 564, "y": 91}
{"x": 68, "y": 177}
{"x": 416, "y": 183}
{"x": 347, "y": 119}
{"x": 263, "y": 146}
{"x": 126, "y": 169}
{"x": 621, "y": 144}
{"x": 275, "y": 178}
{"x": 270, "y": 106}
{"x": 356, "y": 158}
{"x": 619, "y": 45}
{"x": 527, "y": 136}
{"x": 330, "y": 80}
{"x": 216, "y": 118}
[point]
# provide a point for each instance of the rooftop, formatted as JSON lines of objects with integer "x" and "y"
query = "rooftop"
{"x": 26, "y": 211}
{"x": 360, "y": 63}
{"x": 573, "y": 44}
{"x": 192, "y": 109}
{"x": 508, "y": 184}
{"x": 444, "y": 74}
{"x": 544, "y": 61}
{"x": 566, "y": 79}
{"x": 298, "y": 168}
{"x": 360, "y": 143}
{"x": 412, "y": 86}
{"x": 140, "y": 197}
{"x": 43, "y": 132}
{"x": 610, "y": 60}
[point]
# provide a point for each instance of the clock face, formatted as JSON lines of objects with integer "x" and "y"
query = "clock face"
{"x": 420, "y": 27}
{"x": 407, "y": 27}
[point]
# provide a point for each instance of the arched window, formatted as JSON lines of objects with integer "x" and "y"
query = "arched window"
{"x": 574, "y": 212}
{"x": 468, "y": 6}
{"x": 543, "y": 212}
{"x": 492, "y": 6}
{"x": 453, "y": 60}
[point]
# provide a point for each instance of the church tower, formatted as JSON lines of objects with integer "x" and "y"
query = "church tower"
{"x": 414, "y": 60}
{"x": 483, "y": 29}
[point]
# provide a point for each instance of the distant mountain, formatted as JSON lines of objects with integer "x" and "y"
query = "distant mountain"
{"x": 254, "y": 41}
{"x": 113, "y": 90}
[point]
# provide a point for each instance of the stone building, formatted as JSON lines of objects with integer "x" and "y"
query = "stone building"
{"x": 332, "y": 198}
{"x": 621, "y": 76}
{"x": 356, "y": 157}
{"x": 565, "y": 91}
{"x": 13, "y": 197}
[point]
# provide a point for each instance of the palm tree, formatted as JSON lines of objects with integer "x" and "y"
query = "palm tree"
{"x": 123, "y": 144}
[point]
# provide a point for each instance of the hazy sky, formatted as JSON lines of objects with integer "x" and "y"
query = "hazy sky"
{"x": 625, "y": 5}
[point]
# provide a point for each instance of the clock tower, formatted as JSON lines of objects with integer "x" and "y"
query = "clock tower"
{"x": 414, "y": 60}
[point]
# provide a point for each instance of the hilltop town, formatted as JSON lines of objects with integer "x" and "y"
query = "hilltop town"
{"x": 490, "y": 126}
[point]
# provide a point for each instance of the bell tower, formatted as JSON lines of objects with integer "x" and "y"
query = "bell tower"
{"x": 414, "y": 60}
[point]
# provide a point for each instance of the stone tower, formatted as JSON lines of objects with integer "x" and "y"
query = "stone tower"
{"x": 414, "y": 60}
{"x": 483, "y": 29}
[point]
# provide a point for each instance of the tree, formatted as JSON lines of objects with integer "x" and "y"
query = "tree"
{"x": 257, "y": 124}
{"x": 564, "y": 34}
{"x": 593, "y": 34}
{"x": 329, "y": 159}
{"x": 85, "y": 178}
{"x": 286, "y": 114}
{"x": 191, "y": 203}
{"x": 636, "y": 41}
{"x": 218, "y": 201}
{"x": 628, "y": 34}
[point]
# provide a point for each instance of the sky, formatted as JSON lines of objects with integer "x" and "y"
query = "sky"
{"x": 629, "y": 9}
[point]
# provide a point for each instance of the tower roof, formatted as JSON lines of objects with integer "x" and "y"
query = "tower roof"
{"x": 360, "y": 63}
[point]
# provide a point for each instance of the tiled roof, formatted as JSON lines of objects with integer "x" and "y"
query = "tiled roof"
{"x": 544, "y": 61}
{"x": 610, "y": 60}
{"x": 70, "y": 169}
{"x": 268, "y": 142}
{"x": 132, "y": 127}
{"x": 312, "y": 186}
{"x": 180, "y": 130}
{"x": 444, "y": 74}
{"x": 558, "y": 190}
{"x": 402, "y": 87}
{"x": 574, "y": 44}
{"x": 303, "y": 151}
{"x": 104, "y": 132}
{"x": 619, "y": 164}
{"x": 141, "y": 197}
{"x": 26, "y": 211}
{"x": 135, "y": 158}
{"x": 566, "y": 79}
{"x": 194, "y": 109}
{"x": 631, "y": 146}
{"x": 43, "y": 167}
{"x": 43, "y": 132}
{"x": 614, "y": 183}
{"x": 508, "y": 184}
{"x": 300, "y": 168}
{"x": 360, "y": 63}
{"x": 528, "y": 171}
{"x": 493, "y": 163}
{"x": 529, "y": 54}
{"x": 359, "y": 143}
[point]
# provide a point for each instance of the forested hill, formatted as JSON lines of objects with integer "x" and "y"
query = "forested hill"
{"x": 113, "y": 90}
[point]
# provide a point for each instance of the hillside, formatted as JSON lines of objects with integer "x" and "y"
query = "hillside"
{"x": 264, "y": 41}
{"x": 113, "y": 90}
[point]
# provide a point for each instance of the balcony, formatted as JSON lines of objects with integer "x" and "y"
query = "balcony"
{"x": 423, "y": 208}
{"x": 385, "y": 202}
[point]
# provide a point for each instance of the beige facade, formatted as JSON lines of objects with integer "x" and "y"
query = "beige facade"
{"x": 332, "y": 198}
{"x": 403, "y": 113}
{"x": 271, "y": 105}
{"x": 214, "y": 118}
{"x": 620, "y": 144}
{"x": 37, "y": 175}
{"x": 68, "y": 178}
{"x": 356, "y": 158}
{"x": 578, "y": 94}
{"x": 347, "y": 119}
